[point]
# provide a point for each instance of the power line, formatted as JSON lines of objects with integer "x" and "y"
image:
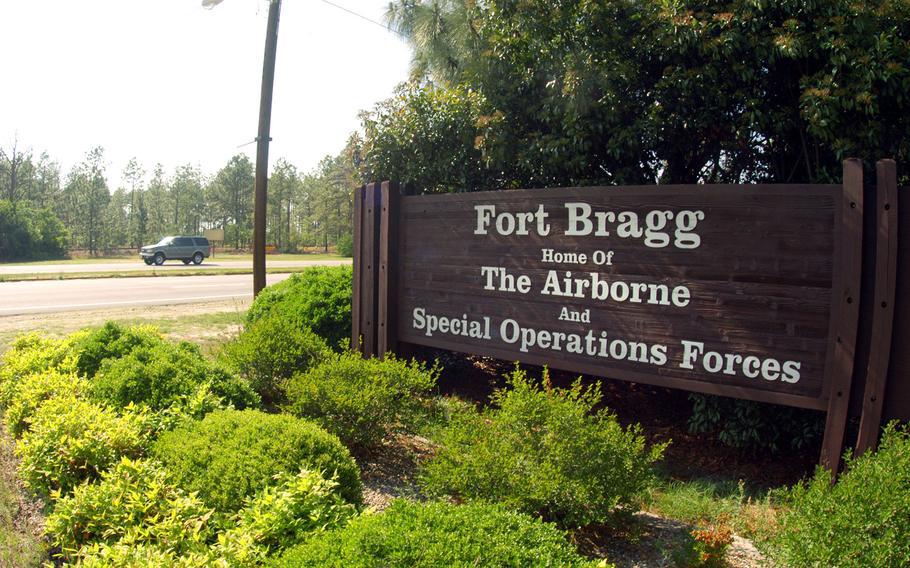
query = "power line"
{"x": 362, "y": 17}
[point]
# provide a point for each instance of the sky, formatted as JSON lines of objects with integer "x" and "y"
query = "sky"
{"x": 172, "y": 82}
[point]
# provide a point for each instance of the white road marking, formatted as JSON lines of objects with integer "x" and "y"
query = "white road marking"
{"x": 133, "y": 302}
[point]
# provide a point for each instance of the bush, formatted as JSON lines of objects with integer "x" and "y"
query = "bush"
{"x": 73, "y": 440}
{"x": 163, "y": 375}
{"x": 361, "y": 400}
{"x": 112, "y": 341}
{"x": 123, "y": 555}
{"x": 30, "y": 233}
{"x": 270, "y": 350}
{"x": 862, "y": 520}
{"x": 345, "y": 246}
{"x": 544, "y": 452}
{"x": 134, "y": 503}
{"x": 318, "y": 298}
{"x": 231, "y": 455}
{"x": 755, "y": 425}
{"x": 438, "y": 534}
{"x": 281, "y": 516}
{"x": 33, "y": 353}
{"x": 34, "y": 390}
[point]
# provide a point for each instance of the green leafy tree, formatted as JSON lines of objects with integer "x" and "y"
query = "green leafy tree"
{"x": 87, "y": 197}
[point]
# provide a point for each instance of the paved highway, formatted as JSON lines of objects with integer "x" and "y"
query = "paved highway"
{"x": 46, "y": 296}
{"x": 7, "y": 269}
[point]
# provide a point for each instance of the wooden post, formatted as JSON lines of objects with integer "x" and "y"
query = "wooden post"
{"x": 845, "y": 313}
{"x": 388, "y": 268}
{"x": 357, "y": 284}
{"x": 370, "y": 272}
{"x": 883, "y": 305}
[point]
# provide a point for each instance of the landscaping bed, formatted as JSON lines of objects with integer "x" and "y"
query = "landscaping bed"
{"x": 278, "y": 447}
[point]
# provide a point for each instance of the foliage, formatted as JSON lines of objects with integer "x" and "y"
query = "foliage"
{"x": 167, "y": 375}
{"x": 706, "y": 548}
{"x": 862, "y": 520}
{"x": 112, "y": 341}
{"x": 599, "y": 93}
{"x": 34, "y": 390}
{"x": 32, "y": 353}
{"x": 438, "y": 534}
{"x": 426, "y": 138}
{"x": 124, "y": 555}
{"x": 318, "y": 298}
{"x": 362, "y": 400}
{"x": 73, "y": 440}
{"x": 345, "y": 245}
{"x": 545, "y": 452}
{"x": 134, "y": 503}
{"x": 283, "y": 515}
{"x": 270, "y": 350}
{"x": 754, "y": 425}
{"x": 30, "y": 233}
{"x": 231, "y": 455}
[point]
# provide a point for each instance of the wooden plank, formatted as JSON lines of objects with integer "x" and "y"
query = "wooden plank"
{"x": 370, "y": 270}
{"x": 845, "y": 314}
{"x": 357, "y": 284}
{"x": 388, "y": 271}
{"x": 886, "y": 246}
{"x": 897, "y": 391}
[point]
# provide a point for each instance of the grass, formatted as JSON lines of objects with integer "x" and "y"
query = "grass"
{"x": 223, "y": 256}
{"x": 750, "y": 513}
{"x": 20, "y": 543}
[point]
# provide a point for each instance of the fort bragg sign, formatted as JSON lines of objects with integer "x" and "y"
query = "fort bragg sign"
{"x": 748, "y": 291}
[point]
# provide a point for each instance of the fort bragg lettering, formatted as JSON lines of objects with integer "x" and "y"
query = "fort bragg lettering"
{"x": 652, "y": 227}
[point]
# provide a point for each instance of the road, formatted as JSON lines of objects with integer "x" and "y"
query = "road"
{"x": 47, "y": 296}
{"x": 7, "y": 269}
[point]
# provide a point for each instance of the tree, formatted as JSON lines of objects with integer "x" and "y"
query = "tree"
{"x": 231, "y": 198}
{"x": 14, "y": 163}
{"x": 87, "y": 196}
{"x": 587, "y": 93}
{"x": 133, "y": 178}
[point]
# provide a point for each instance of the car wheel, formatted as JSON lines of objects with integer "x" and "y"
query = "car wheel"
{"x": 186, "y": 261}
{"x": 197, "y": 258}
{"x": 148, "y": 261}
{"x": 159, "y": 258}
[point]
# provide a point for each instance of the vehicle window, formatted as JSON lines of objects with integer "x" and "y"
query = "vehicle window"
{"x": 183, "y": 242}
{"x": 165, "y": 241}
{"x": 201, "y": 242}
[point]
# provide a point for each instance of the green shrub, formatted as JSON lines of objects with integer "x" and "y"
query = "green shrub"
{"x": 318, "y": 298}
{"x": 34, "y": 390}
{"x": 345, "y": 246}
{"x": 33, "y": 353}
{"x": 862, "y": 520}
{"x": 270, "y": 350}
{"x": 124, "y": 555}
{"x": 438, "y": 534}
{"x": 361, "y": 400}
{"x": 283, "y": 515}
{"x": 544, "y": 452}
{"x": 73, "y": 440}
{"x": 231, "y": 455}
{"x": 163, "y": 375}
{"x": 755, "y": 425}
{"x": 112, "y": 341}
{"x": 136, "y": 503}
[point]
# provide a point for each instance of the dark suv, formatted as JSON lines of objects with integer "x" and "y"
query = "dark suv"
{"x": 187, "y": 249}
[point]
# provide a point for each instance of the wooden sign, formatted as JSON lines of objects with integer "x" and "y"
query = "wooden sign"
{"x": 744, "y": 291}
{"x": 214, "y": 234}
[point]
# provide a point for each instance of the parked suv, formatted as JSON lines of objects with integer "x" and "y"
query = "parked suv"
{"x": 187, "y": 249}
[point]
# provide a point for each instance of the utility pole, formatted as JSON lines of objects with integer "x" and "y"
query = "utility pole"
{"x": 262, "y": 147}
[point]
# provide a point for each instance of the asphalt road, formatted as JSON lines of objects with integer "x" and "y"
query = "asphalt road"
{"x": 7, "y": 269}
{"x": 46, "y": 296}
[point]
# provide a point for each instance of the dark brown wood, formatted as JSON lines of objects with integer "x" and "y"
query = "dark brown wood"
{"x": 883, "y": 306}
{"x": 845, "y": 314}
{"x": 370, "y": 254}
{"x": 357, "y": 283}
{"x": 897, "y": 391}
{"x": 388, "y": 246}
